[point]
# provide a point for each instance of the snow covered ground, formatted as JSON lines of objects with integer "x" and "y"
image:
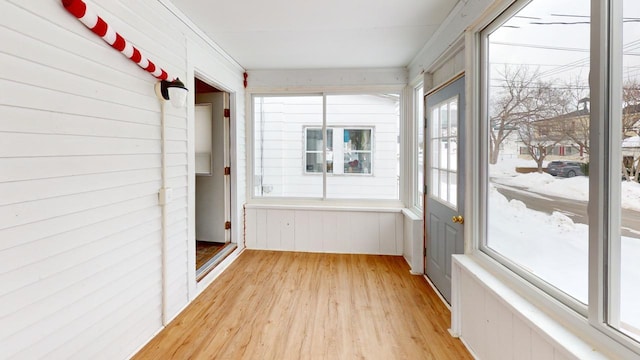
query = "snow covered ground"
{"x": 552, "y": 246}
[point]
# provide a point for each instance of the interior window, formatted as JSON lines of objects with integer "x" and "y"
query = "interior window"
{"x": 359, "y": 152}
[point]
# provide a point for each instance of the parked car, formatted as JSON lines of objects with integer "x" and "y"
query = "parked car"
{"x": 565, "y": 168}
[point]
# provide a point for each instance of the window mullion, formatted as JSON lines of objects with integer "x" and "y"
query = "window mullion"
{"x": 324, "y": 146}
{"x": 597, "y": 210}
{"x": 614, "y": 158}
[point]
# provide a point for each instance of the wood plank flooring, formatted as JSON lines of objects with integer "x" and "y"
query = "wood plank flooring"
{"x": 284, "y": 305}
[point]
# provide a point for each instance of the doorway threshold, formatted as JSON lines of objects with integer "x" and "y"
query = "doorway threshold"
{"x": 203, "y": 270}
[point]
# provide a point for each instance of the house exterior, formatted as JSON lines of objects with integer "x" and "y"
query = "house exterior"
{"x": 567, "y": 135}
{"x": 97, "y": 177}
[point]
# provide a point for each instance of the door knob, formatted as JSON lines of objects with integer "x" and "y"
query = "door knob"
{"x": 458, "y": 219}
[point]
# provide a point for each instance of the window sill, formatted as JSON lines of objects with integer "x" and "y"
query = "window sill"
{"x": 392, "y": 206}
{"x": 568, "y": 329}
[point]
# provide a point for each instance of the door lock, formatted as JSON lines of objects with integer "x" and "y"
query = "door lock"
{"x": 458, "y": 219}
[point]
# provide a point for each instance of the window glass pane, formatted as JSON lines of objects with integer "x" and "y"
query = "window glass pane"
{"x": 538, "y": 99}
{"x": 419, "y": 103}
{"x": 444, "y": 153}
{"x": 435, "y": 153}
{"x": 314, "y": 142}
{"x": 314, "y": 162}
{"x": 435, "y": 183}
{"x": 443, "y": 176}
{"x": 366, "y": 165}
{"x": 280, "y": 157}
{"x": 453, "y": 190}
{"x": 452, "y": 150}
{"x": 624, "y": 309}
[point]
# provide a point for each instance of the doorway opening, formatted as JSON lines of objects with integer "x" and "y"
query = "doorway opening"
{"x": 213, "y": 181}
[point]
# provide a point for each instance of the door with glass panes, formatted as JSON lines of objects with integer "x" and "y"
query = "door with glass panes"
{"x": 444, "y": 179}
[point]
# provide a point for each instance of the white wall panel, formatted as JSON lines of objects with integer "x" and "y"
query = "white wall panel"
{"x": 331, "y": 231}
{"x": 80, "y": 169}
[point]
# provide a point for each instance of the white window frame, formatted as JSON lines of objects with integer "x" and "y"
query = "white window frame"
{"x": 418, "y": 117}
{"x": 320, "y": 201}
{"x": 604, "y": 194}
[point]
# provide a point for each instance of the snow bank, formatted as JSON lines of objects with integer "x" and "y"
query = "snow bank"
{"x": 554, "y": 248}
{"x": 576, "y": 188}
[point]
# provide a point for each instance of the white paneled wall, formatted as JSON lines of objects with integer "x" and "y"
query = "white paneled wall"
{"x": 80, "y": 169}
{"x": 330, "y": 231}
{"x": 413, "y": 241}
{"x": 496, "y": 323}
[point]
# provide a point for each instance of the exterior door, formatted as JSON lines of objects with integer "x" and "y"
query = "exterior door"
{"x": 444, "y": 179}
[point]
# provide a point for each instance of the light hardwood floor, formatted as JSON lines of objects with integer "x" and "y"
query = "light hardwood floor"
{"x": 283, "y": 305}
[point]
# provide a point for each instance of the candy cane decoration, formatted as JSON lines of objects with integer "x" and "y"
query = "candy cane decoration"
{"x": 95, "y": 23}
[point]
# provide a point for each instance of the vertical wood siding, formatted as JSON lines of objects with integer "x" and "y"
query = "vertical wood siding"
{"x": 349, "y": 232}
{"x": 497, "y": 324}
{"x": 80, "y": 169}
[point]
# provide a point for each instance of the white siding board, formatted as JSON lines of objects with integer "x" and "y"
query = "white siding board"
{"x": 121, "y": 300}
{"x": 84, "y": 297}
{"x": 31, "y": 48}
{"x": 24, "y": 213}
{"x": 42, "y": 76}
{"x": 31, "y": 168}
{"x": 38, "y": 189}
{"x": 35, "y": 121}
{"x": 23, "y": 95}
{"x": 144, "y": 324}
{"x": 74, "y": 39}
{"x": 25, "y": 234}
{"x": 28, "y": 264}
{"x": 80, "y": 159}
{"x": 25, "y": 145}
{"x": 62, "y": 285}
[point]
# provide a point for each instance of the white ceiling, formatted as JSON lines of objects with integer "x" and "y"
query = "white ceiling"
{"x": 307, "y": 34}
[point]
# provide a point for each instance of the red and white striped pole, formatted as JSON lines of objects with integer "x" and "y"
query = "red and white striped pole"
{"x": 95, "y": 23}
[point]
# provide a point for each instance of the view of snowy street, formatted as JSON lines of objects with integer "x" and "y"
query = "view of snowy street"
{"x": 550, "y": 244}
{"x": 540, "y": 119}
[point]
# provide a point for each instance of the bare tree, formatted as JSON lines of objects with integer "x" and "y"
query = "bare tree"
{"x": 631, "y": 107}
{"x": 523, "y": 101}
{"x": 540, "y": 132}
{"x": 576, "y": 121}
{"x": 523, "y": 98}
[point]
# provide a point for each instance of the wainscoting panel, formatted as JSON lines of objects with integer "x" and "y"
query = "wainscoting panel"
{"x": 496, "y": 323}
{"x": 331, "y": 231}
